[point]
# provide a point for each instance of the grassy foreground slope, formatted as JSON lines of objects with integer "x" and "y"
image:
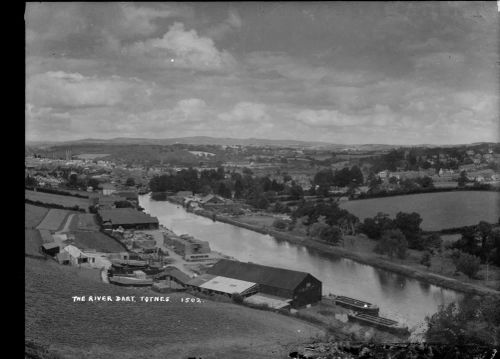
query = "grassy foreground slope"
{"x": 145, "y": 330}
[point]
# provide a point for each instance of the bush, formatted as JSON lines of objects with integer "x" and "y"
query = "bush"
{"x": 393, "y": 243}
{"x": 468, "y": 264}
{"x": 331, "y": 234}
{"x": 279, "y": 224}
{"x": 426, "y": 259}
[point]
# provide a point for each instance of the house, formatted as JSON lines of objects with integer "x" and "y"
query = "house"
{"x": 127, "y": 218}
{"x": 212, "y": 199}
{"x": 108, "y": 188}
{"x": 86, "y": 258}
{"x": 300, "y": 288}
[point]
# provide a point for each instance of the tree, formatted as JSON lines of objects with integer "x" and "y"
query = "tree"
{"x": 409, "y": 224}
{"x": 468, "y": 264}
{"x": 462, "y": 179}
{"x": 373, "y": 227}
{"x": 316, "y": 228}
{"x": 130, "y": 182}
{"x": 426, "y": 259}
{"x": 92, "y": 182}
{"x": 393, "y": 243}
{"x": 473, "y": 320}
{"x": 331, "y": 234}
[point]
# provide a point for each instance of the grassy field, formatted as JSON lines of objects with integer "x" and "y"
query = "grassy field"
{"x": 33, "y": 215}
{"x": 84, "y": 222}
{"x": 438, "y": 210}
{"x": 54, "y": 220}
{"x": 50, "y": 198}
{"x": 146, "y": 330}
{"x": 32, "y": 242}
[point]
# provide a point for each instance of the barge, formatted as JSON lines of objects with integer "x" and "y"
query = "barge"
{"x": 355, "y": 304}
{"x": 385, "y": 324}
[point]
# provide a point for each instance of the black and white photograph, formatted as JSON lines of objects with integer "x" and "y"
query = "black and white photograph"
{"x": 262, "y": 179}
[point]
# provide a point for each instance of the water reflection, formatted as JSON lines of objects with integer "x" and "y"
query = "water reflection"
{"x": 398, "y": 297}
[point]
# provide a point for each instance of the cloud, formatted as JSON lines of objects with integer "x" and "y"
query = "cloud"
{"x": 180, "y": 48}
{"x": 232, "y": 23}
{"x": 246, "y": 112}
{"x": 62, "y": 89}
{"x": 140, "y": 20}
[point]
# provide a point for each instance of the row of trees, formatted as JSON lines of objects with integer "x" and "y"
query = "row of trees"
{"x": 407, "y": 223}
{"x": 346, "y": 177}
{"x": 482, "y": 241}
{"x": 259, "y": 192}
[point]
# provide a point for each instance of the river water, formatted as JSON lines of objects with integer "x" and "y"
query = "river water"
{"x": 400, "y": 298}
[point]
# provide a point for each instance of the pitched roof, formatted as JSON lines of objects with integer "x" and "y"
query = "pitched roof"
{"x": 250, "y": 272}
{"x": 174, "y": 273}
{"x": 119, "y": 216}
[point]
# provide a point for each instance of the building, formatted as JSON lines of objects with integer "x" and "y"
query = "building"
{"x": 213, "y": 284}
{"x": 173, "y": 278}
{"x": 107, "y": 189}
{"x": 300, "y": 288}
{"x": 189, "y": 247}
{"x": 127, "y": 218}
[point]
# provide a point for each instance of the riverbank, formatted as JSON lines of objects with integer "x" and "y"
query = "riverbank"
{"x": 364, "y": 258}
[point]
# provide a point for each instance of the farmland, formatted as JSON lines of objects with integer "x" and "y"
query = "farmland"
{"x": 54, "y": 219}
{"x": 32, "y": 242}
{"x": 50, "y": 198}
{"x": 83, "y": 222}
{"x": 33, "y": 215}
{"x": 438, "y": 210}
{"x": 146, "y": 330}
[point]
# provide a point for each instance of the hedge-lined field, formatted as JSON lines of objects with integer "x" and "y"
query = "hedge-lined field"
{"x": 439, "y": 210}
{"x": 33, "y": 215}
{"x": 54, "y": 220}
{"x": 51, "y": 198}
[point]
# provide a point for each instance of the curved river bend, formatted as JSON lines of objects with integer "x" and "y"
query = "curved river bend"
{"x": 401, "y": 298}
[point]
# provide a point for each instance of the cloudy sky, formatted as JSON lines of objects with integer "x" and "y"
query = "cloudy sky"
{"x": 367, "y": 72}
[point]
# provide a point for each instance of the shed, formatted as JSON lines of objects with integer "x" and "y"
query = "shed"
{"x": 50, "y": 248}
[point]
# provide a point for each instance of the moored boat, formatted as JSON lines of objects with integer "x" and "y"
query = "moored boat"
{"x": 130, "y": 281}
{"x": 355, "y": 304}
{"x": 386, "y": 324}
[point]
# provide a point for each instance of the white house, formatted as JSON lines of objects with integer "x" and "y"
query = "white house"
{"x": 87, "y": 258}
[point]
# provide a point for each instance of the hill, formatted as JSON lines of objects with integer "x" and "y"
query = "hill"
{"x": 145, "y": 330}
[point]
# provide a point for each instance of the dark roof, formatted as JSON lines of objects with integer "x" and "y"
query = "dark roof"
{"x": 119, "y": 216}
{"x": 174, "y": 273}
{"x": 96, "y": 240}
{"x": 250, "y": 272}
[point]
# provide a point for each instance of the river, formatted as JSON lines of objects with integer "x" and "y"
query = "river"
{"x": 399, "y": 297}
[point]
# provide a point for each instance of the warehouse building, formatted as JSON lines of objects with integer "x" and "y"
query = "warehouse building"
{"x": 299, "y": 289}
{"x": 127, "y": 218}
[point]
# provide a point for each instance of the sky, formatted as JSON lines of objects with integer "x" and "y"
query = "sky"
{"x": 347, "y": 73}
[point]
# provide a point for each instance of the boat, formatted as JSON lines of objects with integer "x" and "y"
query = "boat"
{"x": 130, "y": 281}
{"x": 355, "y": 304}
{"x": 385, "y": 324}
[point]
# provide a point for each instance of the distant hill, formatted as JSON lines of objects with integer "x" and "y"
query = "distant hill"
{"x": 226, "y": 141}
